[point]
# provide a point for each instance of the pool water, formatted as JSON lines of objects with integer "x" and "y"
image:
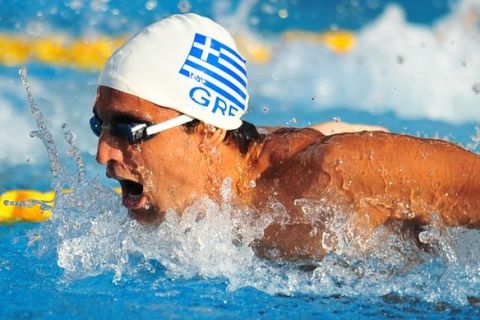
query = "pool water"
{"x": 413, "y": 68}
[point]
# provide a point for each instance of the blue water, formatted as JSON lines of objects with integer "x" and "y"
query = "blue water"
{"x": 76, "y": 271}
{"x": 34, "y": 288}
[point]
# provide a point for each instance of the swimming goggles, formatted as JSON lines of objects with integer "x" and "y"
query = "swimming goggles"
{"x": 136, "y": 132}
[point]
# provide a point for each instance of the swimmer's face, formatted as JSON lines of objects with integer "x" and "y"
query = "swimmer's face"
{"x": 163, "y": 172}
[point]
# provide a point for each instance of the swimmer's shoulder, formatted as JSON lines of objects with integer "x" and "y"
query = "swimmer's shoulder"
{"x": 281, "y": 143}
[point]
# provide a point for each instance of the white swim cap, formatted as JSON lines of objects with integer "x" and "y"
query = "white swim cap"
{"x": 184, "y": 62}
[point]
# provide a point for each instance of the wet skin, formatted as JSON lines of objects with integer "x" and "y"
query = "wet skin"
{"x": 158, "y": 165}
{"x": 376, "y": 177}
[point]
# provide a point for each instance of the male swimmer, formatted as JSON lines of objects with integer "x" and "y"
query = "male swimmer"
{"x": 168, "y": 116}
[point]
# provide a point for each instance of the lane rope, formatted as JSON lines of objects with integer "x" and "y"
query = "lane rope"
{"x": 30, "y": 211}
{"x": 28, "y": 205}
{"x": 90, "y": 54}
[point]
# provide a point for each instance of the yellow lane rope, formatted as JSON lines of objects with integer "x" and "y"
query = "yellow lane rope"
{"x": 31, "y": 210}
{"x": 34, "y": 213}
{"x": 339, "y": 41}
{"x": 57, "y": 50}
{"x": 90, "y": 54}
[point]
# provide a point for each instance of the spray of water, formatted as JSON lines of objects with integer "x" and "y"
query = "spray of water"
{"x": 90, "y": 234}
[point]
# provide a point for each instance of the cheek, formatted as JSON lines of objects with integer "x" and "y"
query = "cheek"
{"x": 132, "y": 158}
{"x": 148, "y": 167}
{"x": 167, "y": 161}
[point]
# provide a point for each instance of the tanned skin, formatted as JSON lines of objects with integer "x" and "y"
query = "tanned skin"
{"x": 380, "y": 177}
{"x": 376, "y": 177}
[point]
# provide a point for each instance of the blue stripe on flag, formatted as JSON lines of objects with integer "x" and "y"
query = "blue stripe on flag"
{"x": 214, "y": 63}
{"x": 218, "y": 90}
{"x": 234, "y": 63}
{"x": 218, "y": 45}
{"x": 216, "y": 76}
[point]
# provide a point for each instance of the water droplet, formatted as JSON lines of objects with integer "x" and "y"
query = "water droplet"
{"x": 150, "y": 4}
{"x": 252, "y": 184}
{"x": 424, "y": 237}
{"x": 184, "y": 6}
{"x": 76, "y": 5}
{"x": 226, "y": 190}
{"x": 476, "y": 88}
{"x": 283, "y": 13}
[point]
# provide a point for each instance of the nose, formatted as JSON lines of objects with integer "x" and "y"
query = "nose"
{"x": 108, "y": 149}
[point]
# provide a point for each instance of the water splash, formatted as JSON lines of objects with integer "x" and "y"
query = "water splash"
{"x": 91, "y": 234}
{"x": 43, "y": 134}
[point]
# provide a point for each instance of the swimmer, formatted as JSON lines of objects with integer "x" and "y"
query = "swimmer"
{"x": 168, "y": 114}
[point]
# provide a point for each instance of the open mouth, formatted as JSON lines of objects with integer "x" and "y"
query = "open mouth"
{"x": 132, "y": 194}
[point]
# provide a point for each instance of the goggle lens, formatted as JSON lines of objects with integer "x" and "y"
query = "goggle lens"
{"x": 137, "y": 132}
{"x": 96, "y": 126}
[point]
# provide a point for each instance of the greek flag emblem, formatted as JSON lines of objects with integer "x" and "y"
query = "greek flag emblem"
{"x": 218, "y": 68}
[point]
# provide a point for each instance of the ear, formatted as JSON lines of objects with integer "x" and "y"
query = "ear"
{"x": 211, "y": 135}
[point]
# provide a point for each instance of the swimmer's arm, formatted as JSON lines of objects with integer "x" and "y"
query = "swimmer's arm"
{"x": 391, "y": 176}
{"x": 335, "y": 127}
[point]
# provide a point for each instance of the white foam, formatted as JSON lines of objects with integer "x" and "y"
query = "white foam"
{"x": 206, "y": 241}
{"x": 93, "y": 235}
{"x": 412, "y": 70}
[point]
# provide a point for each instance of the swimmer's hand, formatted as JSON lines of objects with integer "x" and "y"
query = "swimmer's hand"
{"x": 334, "y": 127}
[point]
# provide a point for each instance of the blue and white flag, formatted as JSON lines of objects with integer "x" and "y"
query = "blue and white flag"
{"x": 219, "y": 68}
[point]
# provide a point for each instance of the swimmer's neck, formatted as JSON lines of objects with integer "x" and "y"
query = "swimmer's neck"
{"x": 278, "y": 144}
